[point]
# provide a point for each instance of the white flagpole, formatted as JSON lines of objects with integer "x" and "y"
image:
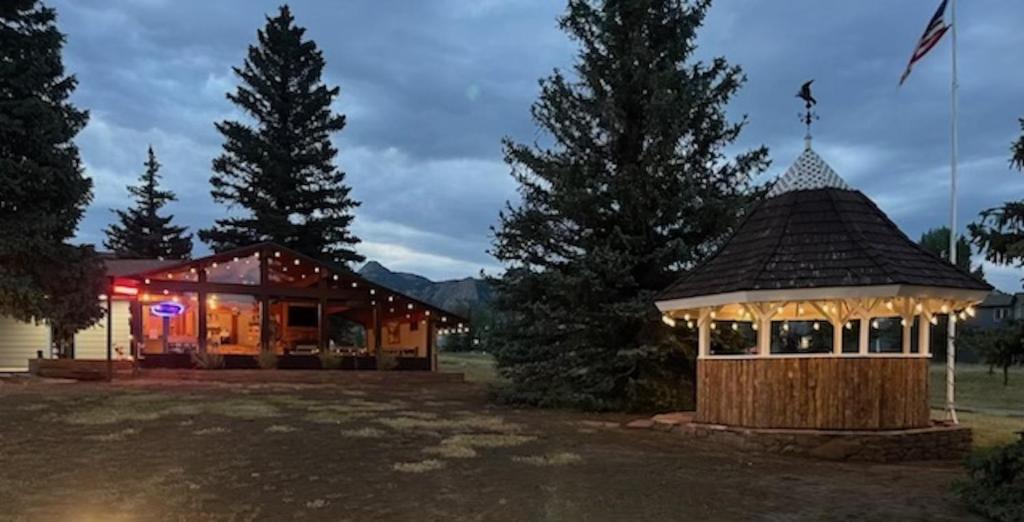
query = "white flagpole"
{"x": 950, "y": 319}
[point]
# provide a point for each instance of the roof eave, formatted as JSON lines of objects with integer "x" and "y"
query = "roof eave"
{"x": 823, "y": 293}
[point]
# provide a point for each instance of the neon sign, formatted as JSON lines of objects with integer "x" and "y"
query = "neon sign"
{"x": 125, "y": 290}
{"x": 167, "y": 309}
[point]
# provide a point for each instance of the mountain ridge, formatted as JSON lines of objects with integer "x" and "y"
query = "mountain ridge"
{"x": 454, "y": 295}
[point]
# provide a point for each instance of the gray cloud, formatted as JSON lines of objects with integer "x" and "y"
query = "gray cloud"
{"x": 431, "y": 87}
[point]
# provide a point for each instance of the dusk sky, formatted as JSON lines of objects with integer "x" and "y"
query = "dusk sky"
{"x": 430, "y": 88}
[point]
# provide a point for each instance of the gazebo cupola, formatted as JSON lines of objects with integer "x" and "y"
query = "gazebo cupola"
{"x": 817, "y": 312}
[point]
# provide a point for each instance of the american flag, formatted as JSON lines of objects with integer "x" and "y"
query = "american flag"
{"x": 932, "y": 34}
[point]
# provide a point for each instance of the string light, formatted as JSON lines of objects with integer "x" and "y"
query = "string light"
{"x": 668, "y": 321}
{"x": 714, "y": 326}
{"x": 849, "y": 325}
{"x": 874, "y": 324}
{"x": 888, "y": 304}
{"x": 785, "y": 327}
{"x": 963, "y": 316}
{"x": 903, "y": 323}
{"x": 816, "y": 326}
{"x": 919, "y": 308}
{"x": 735, "y": 327}
{"x": 686, "y": 317}
{"x": 753, "y": 326}
{"x": 971, "y": 311}
{"x": 296, "y": 263}
{"x": 689, "y": 324}
{"x": 945, "y": 309}
{"x": 713, "y": 314}
{"x": 934, "y": 320}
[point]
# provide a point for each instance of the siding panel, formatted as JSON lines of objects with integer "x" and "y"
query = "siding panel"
{"x": 19, "y": 342}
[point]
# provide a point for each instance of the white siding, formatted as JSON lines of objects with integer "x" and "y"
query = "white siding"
{"x": 91, "y": 343}
{"x": 19, "y": 342}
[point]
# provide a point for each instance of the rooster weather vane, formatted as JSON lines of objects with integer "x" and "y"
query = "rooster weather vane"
{"x": 809, "y": 116}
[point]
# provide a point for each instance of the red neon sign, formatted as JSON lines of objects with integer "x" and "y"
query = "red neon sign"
{"x": 125, "y": 290}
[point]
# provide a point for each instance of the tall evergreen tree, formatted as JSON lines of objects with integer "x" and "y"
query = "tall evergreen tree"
{"x": 1000, "y": 231}
{"x": 634, "y": 187}
{"x": 936, "y": 241}
{"x": 142, "y": 232}
{"x": 43, "y": 191}
{"x": 280, "y": 172}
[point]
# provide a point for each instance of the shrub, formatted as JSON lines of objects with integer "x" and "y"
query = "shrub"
{"x": 995, "y": 485}
{"x": 330, "y": 360}
{"x": 208, "y": 361}
{"x": 267, "y": 360}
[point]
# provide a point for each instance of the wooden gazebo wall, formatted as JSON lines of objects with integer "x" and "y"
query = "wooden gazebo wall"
{"x": 838, "y": 393}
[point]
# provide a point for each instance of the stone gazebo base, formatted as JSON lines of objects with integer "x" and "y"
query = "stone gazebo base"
{"x": 940, "y": 441}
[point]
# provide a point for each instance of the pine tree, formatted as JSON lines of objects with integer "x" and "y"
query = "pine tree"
{"x": 936, "y": 241}
{"x": 634, "y": 187}
{"x": 1000, "y": 231}
{"x": 43, "y": 191}
{"x": 141, "y": 231}
{"x": 280, "y": 171}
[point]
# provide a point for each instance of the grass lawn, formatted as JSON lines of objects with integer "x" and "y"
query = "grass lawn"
{"x": 477, "y": 366}
{"x": 994, "y": 412}
{"x": 159, "y": 450}
{"x": 977, "y": 390}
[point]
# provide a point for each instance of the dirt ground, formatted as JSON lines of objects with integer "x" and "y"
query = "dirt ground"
{"x": 189, "y": 451}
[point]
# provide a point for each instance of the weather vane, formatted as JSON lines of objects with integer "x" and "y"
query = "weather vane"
{"x": 809, "y": 116}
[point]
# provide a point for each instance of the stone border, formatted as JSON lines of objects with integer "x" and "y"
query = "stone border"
{"x": 941, "y": 441}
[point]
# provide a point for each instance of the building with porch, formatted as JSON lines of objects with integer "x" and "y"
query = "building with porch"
{"x": 264, "y": 298}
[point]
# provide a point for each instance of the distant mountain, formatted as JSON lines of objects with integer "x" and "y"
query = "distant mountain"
{"x": 456, "y": 295}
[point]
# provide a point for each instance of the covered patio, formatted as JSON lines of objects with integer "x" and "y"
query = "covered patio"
{"x": 267, "y": 298}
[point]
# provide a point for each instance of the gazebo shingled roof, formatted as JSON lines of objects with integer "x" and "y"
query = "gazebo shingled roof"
{"x": 814, "y": 231}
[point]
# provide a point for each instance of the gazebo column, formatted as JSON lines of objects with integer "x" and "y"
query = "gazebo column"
{"x": 924, "y": 333}
{"x": 704, "y": 333}
{"x": 865, "y": 334}
{"x": 907, "y": 322}
{"x": 764, "y": 335}
{"x": 837, "y": 337}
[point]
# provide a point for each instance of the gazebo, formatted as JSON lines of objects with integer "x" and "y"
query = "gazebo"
{"x": 817, "y": 313}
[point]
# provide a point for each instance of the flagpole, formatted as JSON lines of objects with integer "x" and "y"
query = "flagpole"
{"x": 950, "y": 318}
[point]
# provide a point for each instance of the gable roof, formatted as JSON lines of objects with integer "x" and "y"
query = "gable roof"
{"x": 140, "y": 269}
{"x": 814, "y": 231}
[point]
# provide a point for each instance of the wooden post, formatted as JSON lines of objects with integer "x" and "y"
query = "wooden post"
{"x": 704, "y": 333}
{"x": 110, "y": 330}
{"x": 138, "y": 336}
{"x": 764, "y": 335}
{"x": 837, "y": 337}
{"x": 203, "y": 332}
{"x": 908, "y": 325}
{"x": 431, "y": 345}
{"x": 325, "y": 343}
{"x": 924, "y": 331}
{"x": 264, "y": 302}
{"x": 865, "y": 334}
{"x": 378, "y": 345}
